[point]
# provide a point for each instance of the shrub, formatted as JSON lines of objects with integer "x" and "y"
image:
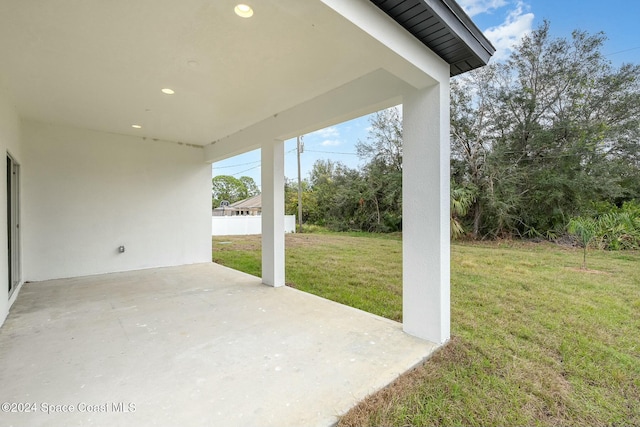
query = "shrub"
{"x": 614, "y": 228}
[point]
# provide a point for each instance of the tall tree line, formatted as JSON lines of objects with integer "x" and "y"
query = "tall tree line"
{"x": 551, "y": 134}
{"x": 545, "y": 136}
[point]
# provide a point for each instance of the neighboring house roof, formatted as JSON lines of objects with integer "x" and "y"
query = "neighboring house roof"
{"x": 443, "y": 27}
{"x": 251, "y": 202}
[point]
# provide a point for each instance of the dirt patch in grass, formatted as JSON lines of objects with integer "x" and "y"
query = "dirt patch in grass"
{"x": 587, "y": 270}
{"x": 534, "y": 244}
{"x": 293, "y": 240}
{"x": 237, "y": 243}
{"x": 301, "y": 240}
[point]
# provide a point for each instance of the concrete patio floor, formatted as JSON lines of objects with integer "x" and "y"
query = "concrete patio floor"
{"x": 197, "y": 345}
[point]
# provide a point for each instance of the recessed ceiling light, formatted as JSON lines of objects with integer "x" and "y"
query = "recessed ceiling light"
{"x": 136, "y": 126}
{"x": 168, "y": 91}
{"x": 243, "y": 11}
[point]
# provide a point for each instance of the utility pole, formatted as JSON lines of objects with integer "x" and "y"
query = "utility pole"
{"x": 300, "y": 151}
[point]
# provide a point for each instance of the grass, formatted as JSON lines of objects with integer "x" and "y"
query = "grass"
{"x": 334, "y": 266}
{"x": 536, "y": 340}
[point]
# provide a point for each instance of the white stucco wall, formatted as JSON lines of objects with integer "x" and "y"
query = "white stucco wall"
{"x": 85, "y": 193}
{"x": 9, "y": 142}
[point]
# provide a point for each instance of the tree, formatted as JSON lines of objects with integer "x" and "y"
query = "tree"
{"x": 546, "y": 133}
{"x": 584, "y": 229}
{"x": 322, "y": 184}
{"x": 227, "y": 188}
{"x": 250, "y": 185}
{"x": 384, "y": 142}
{"x": 461, "y": 200}
{"x": 338, "y": 192}
{"x": 381, "y": 196}
{"x": 472, "y": 117}
{"x": 565, "y": 109}
{"x": 309, "y": 201}
{"x": 534, "y": 142}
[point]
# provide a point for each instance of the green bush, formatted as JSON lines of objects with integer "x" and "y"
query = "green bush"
{"x": 615, "y": 228}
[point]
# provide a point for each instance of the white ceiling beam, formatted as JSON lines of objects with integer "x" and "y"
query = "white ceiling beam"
{"x": 367, "y": 94}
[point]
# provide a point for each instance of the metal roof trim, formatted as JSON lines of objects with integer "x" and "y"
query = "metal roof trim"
{"x": 476, "y": 48}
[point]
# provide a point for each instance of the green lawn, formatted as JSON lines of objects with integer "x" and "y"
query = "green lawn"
{"x": 536, "y": 340}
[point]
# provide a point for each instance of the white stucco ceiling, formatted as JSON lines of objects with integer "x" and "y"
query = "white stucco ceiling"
{"x": 101, "y": 64}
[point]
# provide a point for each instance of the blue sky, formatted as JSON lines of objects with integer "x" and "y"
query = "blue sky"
{"x": 504, "y": 22}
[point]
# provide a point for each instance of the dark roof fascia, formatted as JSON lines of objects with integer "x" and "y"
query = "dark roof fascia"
{"x": 463, "y": 27}
{"x": 459, "y": 25}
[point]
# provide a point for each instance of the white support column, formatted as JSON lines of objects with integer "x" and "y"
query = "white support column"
{"x": 425, "y": 214}
{"x": 273, "y": 213}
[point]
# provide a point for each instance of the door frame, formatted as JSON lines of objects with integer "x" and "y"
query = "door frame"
{"x": 13, "y": 224}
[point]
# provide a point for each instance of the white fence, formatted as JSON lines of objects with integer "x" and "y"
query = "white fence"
{"x": 241, "y": 225}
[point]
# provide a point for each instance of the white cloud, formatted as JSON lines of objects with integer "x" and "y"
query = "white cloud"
{"x": 510, "y": 32}
{"x": 476, "y": 7}
{"x": 329, "y": 132}
{"x": 330, "y": 143}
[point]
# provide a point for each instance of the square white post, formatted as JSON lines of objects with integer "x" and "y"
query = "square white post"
{"x": 425, "y": 214}
{"x": 272, "y": 156}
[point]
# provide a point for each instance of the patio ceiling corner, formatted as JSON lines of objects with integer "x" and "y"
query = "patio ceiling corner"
{"x": 101, "y": 66}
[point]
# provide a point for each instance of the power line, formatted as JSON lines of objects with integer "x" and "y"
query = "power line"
{"x": 246, "y": 170}
{"x": 288, "y": 152}
{"x": 245, "y": 164}
{"x": 331, "y": 152}
{"x": 622, "y": 51}
{"x": 235, "y": 166}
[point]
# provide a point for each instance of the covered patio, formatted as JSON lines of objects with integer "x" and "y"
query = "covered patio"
{"x": 111, "y": 114}
{"x": 196, "y": 345}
